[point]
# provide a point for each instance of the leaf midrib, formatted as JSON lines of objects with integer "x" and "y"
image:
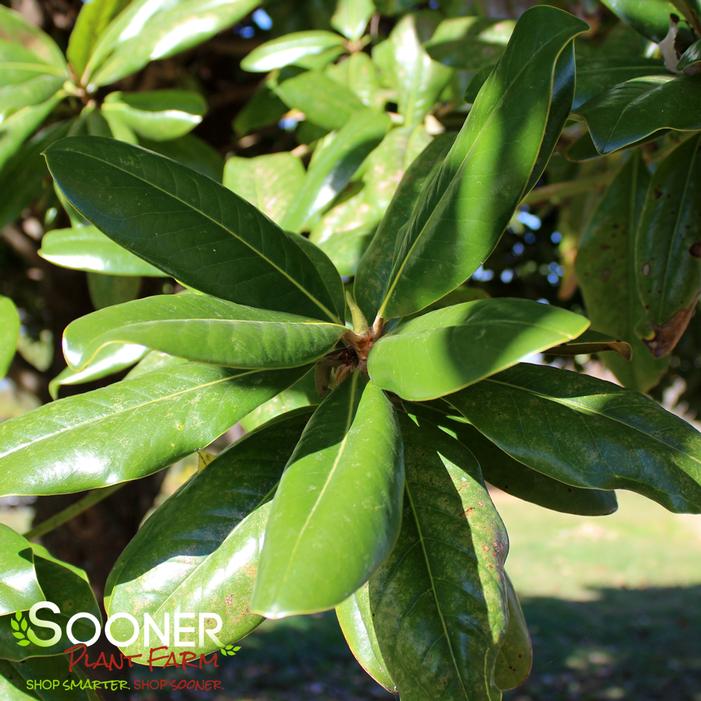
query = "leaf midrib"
{"x": 498, "y": 104}
{"x": 329, "y": 478}
{"x": 594, "y": 412}
{"x": 221, "y": 226}
{"x": 82, "y": 424}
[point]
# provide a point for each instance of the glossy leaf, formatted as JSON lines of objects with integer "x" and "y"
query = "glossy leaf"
{"x": 53, "y": 580}
{"x": 690, "y": 61}
{"x": 381, "y": 174}
{"x": 606, "y": 270}
{"x": 97, "y": 438}
{"x": 14, "y": 28}
{"x": 205, "y": 329}
{"x": 9, "y": 333}
{"x": 466, "y": 205}
{"x": 106, "y": 290}
{"x": 190, "y": 151}
{"x": 87, "y": 248}
{"x": 629, "y": 112}
{"x": 375, "y": 267}
{"x": 156, "y": 114}
{"x": 650, "y": 17}
{"x": 470, "y": 43}
{"x": 198, "y": 551}
{"x": 514, "y": 478}
{"x": 439, "y": 601}
{"x": 515, "y": 658}
{"x": 149, "y": 30}
{"x": 20, "y": 586}
{"x": 418, "y": 78}
{"x": 324, "y": 102}
{"x": 92, "y": 20}
{"x": 333, "y": 165}
{"x": 356, "y": 621}
{"x": 108, "y": 361}
{"x": 343, "y": 484}
{"x": 300, "y": 395}
{"x": 589, "y": 433}
{"x": 289, "y": 48}
{"x": 24, "y": 177}
{"x": 619, "y": 57}
{"x": 351, "y": 17}
{"x": 157, "y": 208}
{"x": 15, "y": 676}
{"x": 19, "y": 125}
{"x": 270, "y": 182}
{"x": 668, "y": 248}
{"x": 440, "y": 352}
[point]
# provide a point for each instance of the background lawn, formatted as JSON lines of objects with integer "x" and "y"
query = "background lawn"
{"x": 613, "y": 604}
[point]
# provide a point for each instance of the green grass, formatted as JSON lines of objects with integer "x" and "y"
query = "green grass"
{"x": 614, "y": 607}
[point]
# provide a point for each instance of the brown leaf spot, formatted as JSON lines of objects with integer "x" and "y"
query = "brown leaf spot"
{"x": 646, "y": 269}
{"x": 666, "y": 336}
{"x": 695, "y": 249}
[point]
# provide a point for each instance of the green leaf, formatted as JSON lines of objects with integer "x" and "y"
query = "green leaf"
{"x": 467, "y": 203}
{"x": 375, "y": 267}
{"x": 334, "y": 164}
{"x": 9, "y": 333}
{"x": 470, "y": 43}
{"x": 419, "y": 80}
{"x": 110, "y": 182}
{"x": 107, "y": 290}
{"x": 588, "y": 433}
{"x": 15, "y": 679}
{"x": 606, "y": 270}
{"x": 93, "y": 19}
{"x": 205, "y": 329}
{"x": 619, "y": 57}
{"x": 288, "y": 49}
{"x": 514, "y": 478}
{"x": 108, "y": 361}
{"x": 301, "y": 394}
{"x": 356, "y": 621}
{"x": 691, "y": 59}
{"x": 515, "y": 658}
{"x": 159, "y": 115}
{"x": 439, "y": 601}
{"x": 668, "y": 248}
{"x": 270, "y": 182}
{"x": 190, "y": 151}
{"x": 16, "y": 128}
{"x": 86, "y": 248}
{"x": 20, "y": 587}
{"x": 97, "y": 438}
{"x": 324, "y": 102}
{"x": 447, "y": 349}
{"x": 198, "y": 551}
{"x": 650, "y": 17}
{"x": 14, "y": 28}
{"x": 343, "y": 484}
{"x": 24, "y": 177}
{"x": 629, "y": 112}
{"x": 381, "y": 174}
{"x": 263, "y": 109}
{"x": 149, "y": 30}
{"x": 351, "y": 17}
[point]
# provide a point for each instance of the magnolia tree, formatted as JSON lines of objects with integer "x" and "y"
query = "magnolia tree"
{"x": 324, "y": 301}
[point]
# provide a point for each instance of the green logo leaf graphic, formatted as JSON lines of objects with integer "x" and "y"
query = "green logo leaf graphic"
{"x": 20, "y": 629}
{"x": 229, "y": 650}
